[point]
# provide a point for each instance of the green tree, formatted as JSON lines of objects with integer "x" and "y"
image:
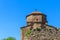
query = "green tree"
{"x": 9, "y": 38}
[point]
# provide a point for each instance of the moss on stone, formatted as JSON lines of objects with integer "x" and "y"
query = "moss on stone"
{"x": 38, "y": 29}
{"x": 28, "y": 32}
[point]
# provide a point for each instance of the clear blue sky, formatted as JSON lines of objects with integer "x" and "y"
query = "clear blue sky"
{"x": 13, "y": 13}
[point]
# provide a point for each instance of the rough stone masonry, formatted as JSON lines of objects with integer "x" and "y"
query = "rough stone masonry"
{"x": 37, "y": 28}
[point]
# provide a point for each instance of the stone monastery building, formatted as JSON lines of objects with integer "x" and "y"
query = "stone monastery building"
{"x": 37, "y": 28}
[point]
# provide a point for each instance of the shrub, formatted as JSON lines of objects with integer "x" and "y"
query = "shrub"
{"x": 38, "y": 29}
{"x": 28, "y": 33}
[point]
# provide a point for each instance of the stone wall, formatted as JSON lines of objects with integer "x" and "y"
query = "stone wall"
{"x": 34, "y": 18}
{"x": 47, "y": 33}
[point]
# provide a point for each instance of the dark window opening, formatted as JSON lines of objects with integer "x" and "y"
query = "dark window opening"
{"x": 36, "y": 19}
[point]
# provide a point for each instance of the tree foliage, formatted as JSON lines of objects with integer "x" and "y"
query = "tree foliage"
{"x": 9, "y": 38}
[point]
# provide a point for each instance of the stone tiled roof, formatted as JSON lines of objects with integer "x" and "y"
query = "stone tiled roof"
{"x": 51, "y": 26}
{"x": 24, "y": 26}
{"x": 36, "y": 13}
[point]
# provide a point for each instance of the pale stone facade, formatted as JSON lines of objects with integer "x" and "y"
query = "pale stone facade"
{"x": 37, "y": 21}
